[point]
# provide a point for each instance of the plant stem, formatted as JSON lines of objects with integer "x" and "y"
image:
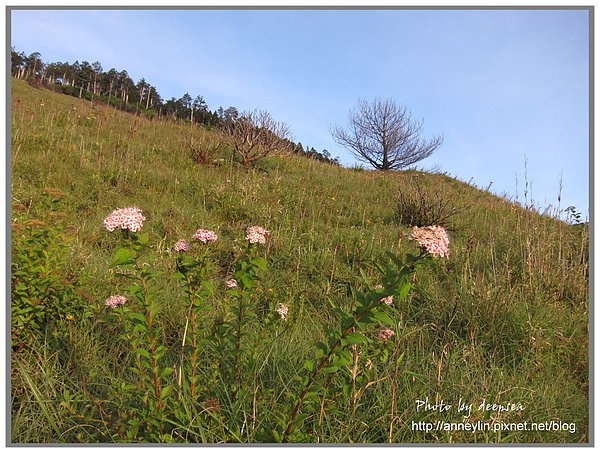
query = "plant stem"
{"x": 194, "y": 355}
{"x": 315, "y": 373}
{"x": 152, "y": 357}
{"x": 151, "y": 340}
{"x": 354, "y": 373}
{"x": 393, "y": 399}
{"x": 238, "y": 341}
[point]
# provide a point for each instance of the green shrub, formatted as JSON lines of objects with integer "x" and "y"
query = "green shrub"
{"x": 42, "y": 291}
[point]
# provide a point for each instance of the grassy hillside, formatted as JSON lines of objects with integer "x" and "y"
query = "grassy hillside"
{"x": 504, "y": 319}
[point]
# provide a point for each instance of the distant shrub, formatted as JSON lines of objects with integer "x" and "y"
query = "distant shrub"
{"x": 255, "y": 135}
{"x": 34, "y": 82}
{"x": 311, "y": 153}
{"x": 417, "y": 205}
{"x": 203, "y": 149}
{"x": 68, "y": 89}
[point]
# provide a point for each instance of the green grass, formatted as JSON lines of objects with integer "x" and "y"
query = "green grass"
{"x": 505, "y": 318}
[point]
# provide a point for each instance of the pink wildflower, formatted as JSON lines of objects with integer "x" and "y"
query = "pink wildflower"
{"x": 385, "y": 334}
{"x": 434, "y": 239}
{"x": 231, "y": 283}
{"x": 113, "y": 301}
{"x": 126, "y": 218}
{"x": 389, "y": 300}
{"x": 205, "y": 236}
{"x": 181, "y": 246}
{"x": 282, "y": 309}
{"x": 256, "y": 234}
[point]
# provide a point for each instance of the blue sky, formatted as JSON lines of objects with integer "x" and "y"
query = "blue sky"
{"x": 502, "y": 86}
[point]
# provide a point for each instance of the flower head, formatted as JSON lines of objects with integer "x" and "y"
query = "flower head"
{"x": 205, "y": 235}
{"x": 389, "y": 300}
{"x": 434, "y": 239}
{"x": 113, "y": 301}
{"x": 256, "y": 234}
{"x": 385, "y": 334}
{"x": 231, "y": 283}
{"x": 126, "y": 218}
{"x": 282, "y": 309}
{"x": 181, "y": 246}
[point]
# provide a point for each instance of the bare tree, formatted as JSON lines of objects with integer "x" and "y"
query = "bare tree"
{"x": 383, "y": 134}
{"x": 255, "y": 135}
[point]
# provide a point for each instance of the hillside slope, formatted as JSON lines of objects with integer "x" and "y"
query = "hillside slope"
{"x": 505, "y": 318}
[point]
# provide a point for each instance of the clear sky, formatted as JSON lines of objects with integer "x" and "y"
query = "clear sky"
{"x": 502, "y": 86}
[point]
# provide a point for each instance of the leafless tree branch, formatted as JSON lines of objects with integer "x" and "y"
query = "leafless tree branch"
{"x": 383, "y": 135}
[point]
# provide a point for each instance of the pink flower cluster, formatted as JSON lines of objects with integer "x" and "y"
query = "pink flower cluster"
{"x": 181, "y": 246}
{"x": 231, "y": 283}
{"x": 389, "y": 300}
{"x": 113, "y": 301}
{"x": 205, "y": 235}
{"x": 256, "y": 234}
{"x": 126, "y": 218}
{"x": 282, "y": 309}
{"x": 434, "y": 239}
{"x": 385, "y": 334}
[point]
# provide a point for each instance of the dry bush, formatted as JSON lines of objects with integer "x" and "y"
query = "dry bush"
{"x": 255, "y": 135}
{"x": 203, "y": 148}
{"x": 418, "y": 205}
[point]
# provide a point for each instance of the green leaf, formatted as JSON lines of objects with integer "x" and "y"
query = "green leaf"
{"x": 164, "y": 373}
{"x": 133, "y": 289}
{"x": 343, "y": 358}
{"x": 166, "y": 392}
{"x": 143, "y": 352}
{"x": 259, "y": 262}
{"x": 410, "y": 258}
{"x": 382, "y": 318}
{"x": 365, "y": 279}
{"x": 400, "y": 359}
{"x": 361, "y": 299}
{"x": 322, "y": 348}
{"x": 404, "y": 290}
{"x": 137, "y": 317}
{"x": 140, "y": 328}
{"x": 309, "y": 366}
{"x": 384, "y": 355}
{"x": 247, "y": 281}
{"x": 354, "y": 338}
{"x": 395, "y": 259}
{"x": 122, "y": 256}
{"x": 135, "y": 370}
{"x": 153, "y": 308}
{"x": 143, "y": 238}
{"x": 208, "y": 286}
{"x": 330, "y": 369}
